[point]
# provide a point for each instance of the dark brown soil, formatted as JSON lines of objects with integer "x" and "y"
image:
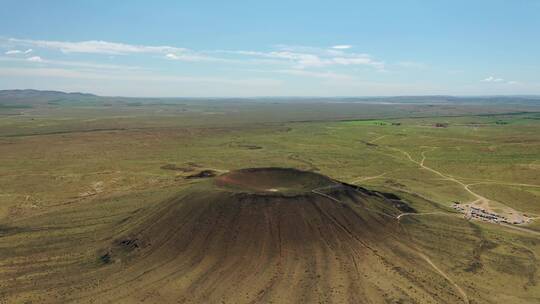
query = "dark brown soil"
{"x": 202, "y": 174}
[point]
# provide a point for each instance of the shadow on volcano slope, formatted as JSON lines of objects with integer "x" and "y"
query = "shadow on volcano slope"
{"x": 267, "y": 235}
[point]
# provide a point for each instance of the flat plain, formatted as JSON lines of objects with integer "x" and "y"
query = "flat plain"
{"x": 77, "y": 177}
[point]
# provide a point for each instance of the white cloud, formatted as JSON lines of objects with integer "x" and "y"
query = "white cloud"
{"x": 301, "y": 60}
{"x": 114, "y": 48}
{"x": 81, "y": 64}
{"x": 35, "y": 59}
{"x": 192, "y": 57}
{"x": 358, "y": 60}
{"x": 96, "y": 47}
{"x": 299, "y": 57}
{"x": 342, "y": 47}
{"x": 316, "y": 58}
{"x": 492, "y": 79}
{"x": 15, "y": 52}
{"x": 323, "y": 75}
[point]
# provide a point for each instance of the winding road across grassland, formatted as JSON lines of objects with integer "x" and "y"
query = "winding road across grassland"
{"x": 479, "y": 198}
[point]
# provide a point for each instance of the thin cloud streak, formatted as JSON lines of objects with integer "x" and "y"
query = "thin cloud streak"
{"x": 322, "y": 75}
{"x": 16, "y": 52}
{"x": 96, "y": 47}
{"x": 299, "y": 57}
{"x": 492, "y": 79}
{"x": 342, "y": 47}
{"x": 114, "y": 48}
{"x": 89, "y": 65}
{"x": 302, "y": 60}
{"x": 34, "y": 59}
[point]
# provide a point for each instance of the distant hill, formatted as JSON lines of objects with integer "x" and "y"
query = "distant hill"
{"x": 26, "y": 98}
{"x": 29, "y": 97}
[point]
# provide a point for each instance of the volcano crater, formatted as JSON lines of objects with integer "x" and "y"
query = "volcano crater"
{"x": 274, "y": 181}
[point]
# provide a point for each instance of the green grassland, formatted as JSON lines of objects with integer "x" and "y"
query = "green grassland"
{"x": 71, "y": 172}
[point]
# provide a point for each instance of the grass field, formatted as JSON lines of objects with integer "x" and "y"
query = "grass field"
{"x": 70, "y": 173}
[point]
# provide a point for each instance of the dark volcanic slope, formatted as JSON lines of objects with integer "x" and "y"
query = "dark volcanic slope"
{"x": 264, "y": 236}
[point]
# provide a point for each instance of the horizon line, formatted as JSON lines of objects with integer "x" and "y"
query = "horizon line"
{"x": 283, "y": 96}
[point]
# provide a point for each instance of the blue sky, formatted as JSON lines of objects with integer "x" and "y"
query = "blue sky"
{"x": 272, "y": 48}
